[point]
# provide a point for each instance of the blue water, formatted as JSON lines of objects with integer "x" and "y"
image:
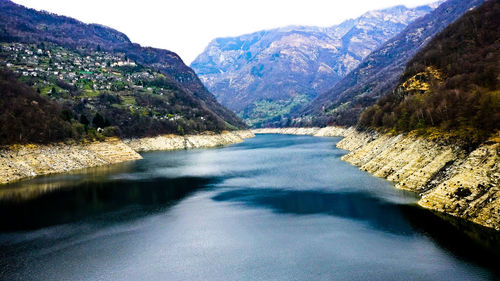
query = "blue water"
{"x": 275, "y": 207}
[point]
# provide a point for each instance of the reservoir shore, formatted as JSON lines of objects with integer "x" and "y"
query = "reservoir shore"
{"x": 447, "y": 178}
{"x": 25, "y": 161}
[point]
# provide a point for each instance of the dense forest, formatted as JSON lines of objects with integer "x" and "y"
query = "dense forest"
{"x": 25, "y": 116}
{"x": 451, "y": 86}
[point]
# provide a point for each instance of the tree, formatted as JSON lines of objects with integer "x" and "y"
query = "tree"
{"x": 98, "y": 121}
{"x": 84, "y": 120}
{"x": 180, "y": 130}
{"x": 67, "y": 114}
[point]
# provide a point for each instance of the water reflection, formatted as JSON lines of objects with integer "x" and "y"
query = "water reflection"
{"x": 91, "y": 198}
{"x": 468, "y": 241}
{"x": 352, "y": 205}
{"x": 273, "y": 207}
{"x": 31, "y": 188}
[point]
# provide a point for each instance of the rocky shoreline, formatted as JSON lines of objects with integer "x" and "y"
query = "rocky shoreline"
{"x": 176, "y": 142}
{"x": 447, "y": 178}
{"x": 25, "y": 161}
{"x": 313, "y": 131}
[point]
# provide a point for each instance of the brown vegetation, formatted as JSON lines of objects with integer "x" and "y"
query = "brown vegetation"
{"x": 461, "y": 69}
{"x": 25, "y": 116}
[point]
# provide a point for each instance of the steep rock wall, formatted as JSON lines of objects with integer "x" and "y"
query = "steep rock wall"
{"x": 17, "y": 162}
{"x": 175, "y": 142}
{"x": 25, "y": 161}
{"x": 314, "y": 131}
{"x": 449, "y": 179}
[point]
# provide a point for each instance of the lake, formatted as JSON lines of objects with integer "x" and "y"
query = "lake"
{"x": 275, "y": 207}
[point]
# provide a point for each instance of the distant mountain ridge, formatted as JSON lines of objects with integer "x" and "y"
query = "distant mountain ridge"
{"x": 269, "y": 72}
{"x": 21, "y": 24}
{"x": 379, "y": 72}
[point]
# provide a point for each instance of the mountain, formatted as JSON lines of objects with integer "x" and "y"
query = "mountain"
{"x": 264, "y": 75}
{"x": 28, "y": 26}
{"x": 104, "y": 89}
{"x": 452, "y": 85}
{"x": 379, "y": 72}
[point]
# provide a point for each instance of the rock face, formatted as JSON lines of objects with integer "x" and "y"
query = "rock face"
{"x": 34, "y": 160}
{"x": 265, "y": 74}
{"x": 449, "y": 179}
{"x": 175, "y": 142}
{"x": 24, "y": 161}
{"x": 314, "y": 131}
{"x": 380, "y": 71}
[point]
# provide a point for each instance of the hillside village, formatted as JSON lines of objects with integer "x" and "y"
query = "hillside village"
{"x": 91, "y": 73}
{"x": 63, "y": 74}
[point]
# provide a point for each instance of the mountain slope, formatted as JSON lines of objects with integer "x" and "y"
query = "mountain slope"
{"x": 25, "y": 116}
{"x": 265, "y": 74}
{"x": 20, "y": 24}
{"x": 378, "y": 74}
{"x": 452, "y": 85}
{"x": 109, "y": 90}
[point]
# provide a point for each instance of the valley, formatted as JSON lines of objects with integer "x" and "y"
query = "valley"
{"x": 278, "y": 71}
{"x": 364, "y": 149}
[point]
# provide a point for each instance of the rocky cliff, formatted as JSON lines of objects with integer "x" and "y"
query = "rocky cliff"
{"x": 313, "y": 131}
{"x": 175, "y": 142}
{"x": 22, "y": 161}
{"x": 25, "y": 161}
{"x": 448, "y": 178}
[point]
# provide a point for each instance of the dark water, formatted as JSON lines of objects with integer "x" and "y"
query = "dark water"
{"x": 272, "y": 208}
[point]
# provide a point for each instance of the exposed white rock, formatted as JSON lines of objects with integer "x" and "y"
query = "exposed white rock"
{"x": 176, "y": 142}
{"x": 449, "y": 179}
{"x": 330, "y": 131}
{"x": 23, "y": 161}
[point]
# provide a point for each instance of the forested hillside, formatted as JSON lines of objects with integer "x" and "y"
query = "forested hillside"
{"x": 20, "y": 24}
{"x": 379, "y": 72}
{"x": 93, "y": 71}
{"x": 452, "y": 85}
{"x": 26, "y": 116}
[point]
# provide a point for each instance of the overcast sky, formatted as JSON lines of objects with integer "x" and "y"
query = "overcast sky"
{"x": 187, "y": 26}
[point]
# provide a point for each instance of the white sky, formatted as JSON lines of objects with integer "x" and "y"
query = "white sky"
{"x": 187, "y": 26}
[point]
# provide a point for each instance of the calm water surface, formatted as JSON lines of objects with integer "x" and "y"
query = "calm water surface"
{"x": 272, "y": 208}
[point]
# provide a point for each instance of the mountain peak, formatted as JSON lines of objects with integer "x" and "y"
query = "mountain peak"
{"x": 379, "y": 72}
{"x": 276, "y": 68}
